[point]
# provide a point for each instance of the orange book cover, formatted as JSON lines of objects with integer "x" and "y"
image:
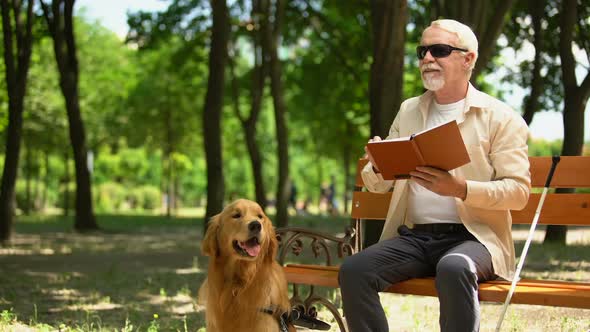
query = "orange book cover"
{"x": 440, "y": 147}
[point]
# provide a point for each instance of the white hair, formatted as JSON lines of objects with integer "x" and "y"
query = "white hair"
{"x": 467, "y": 38}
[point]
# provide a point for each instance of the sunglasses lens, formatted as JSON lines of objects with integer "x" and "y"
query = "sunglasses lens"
{"x": 421, "y": 51}
{"x": 440, "y": 50}
{"x": 436, "y": 50}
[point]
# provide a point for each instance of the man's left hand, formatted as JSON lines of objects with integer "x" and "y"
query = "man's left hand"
{"x": 440, "y": 182}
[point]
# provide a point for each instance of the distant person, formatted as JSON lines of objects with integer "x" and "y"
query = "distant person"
{"x": 304, "y": 210}
{"x": 323, "y": 204}
{"x": 293, "y": 196}
{"x": 455, "y": 225}
{"x": 331, "y": 197}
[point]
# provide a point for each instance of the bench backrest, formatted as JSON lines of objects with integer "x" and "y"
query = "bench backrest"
{"x": 558, "y": 209}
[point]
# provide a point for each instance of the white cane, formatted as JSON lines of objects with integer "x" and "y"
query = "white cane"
{"x": 555, "y": 161}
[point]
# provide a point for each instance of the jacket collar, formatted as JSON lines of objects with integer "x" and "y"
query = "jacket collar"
{"x": 473, "y": 99}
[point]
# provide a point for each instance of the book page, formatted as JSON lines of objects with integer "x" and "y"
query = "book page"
{"x": 397, "y": 139}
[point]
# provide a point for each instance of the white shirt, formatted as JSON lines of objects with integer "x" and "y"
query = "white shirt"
{"x": 424, "y": 206}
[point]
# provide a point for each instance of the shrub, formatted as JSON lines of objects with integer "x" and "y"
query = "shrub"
{"x": 71, "y": 198}
{"x": 145, "y": 197}
{"x": 109, "y": 197}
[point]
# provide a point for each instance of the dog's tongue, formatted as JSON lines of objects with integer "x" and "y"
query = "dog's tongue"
{"x": 251, "y": 246}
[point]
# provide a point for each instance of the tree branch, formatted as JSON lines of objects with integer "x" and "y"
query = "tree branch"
{"x": 567, "y": 21}
{"x": 488, "y": 40}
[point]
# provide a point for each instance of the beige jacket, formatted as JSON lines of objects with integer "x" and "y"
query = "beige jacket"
{"x": 498, "y": 177}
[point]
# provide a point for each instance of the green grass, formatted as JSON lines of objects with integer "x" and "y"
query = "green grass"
{"x": 142, "y": 273}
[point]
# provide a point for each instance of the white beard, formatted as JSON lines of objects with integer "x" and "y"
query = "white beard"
{"x": 431, "y": 82}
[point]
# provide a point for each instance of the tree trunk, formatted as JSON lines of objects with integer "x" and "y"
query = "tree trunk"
{"x": 28, "y": 167}
{"x": 163, "y": 186}
{"x": 9, "y": 174}
{"x": 16, "y": 63}
{"x": 66, "y": 197}
{"x": 386, "y": 83}
{"x": 256, "y": 91}
{"x": 272, "y": 34}
{"x": 346, "y": 159}
{"x": 532, "y": 103}
{"x": 36, "y": 202}
{"x": 46, "y": 180}
{"x": 213, "y": 108}
{"x": 576, "y": 98}
{"x": 169, "y": 171}
{"x": 168, "y": 191}
{"x": 61, "y": 26}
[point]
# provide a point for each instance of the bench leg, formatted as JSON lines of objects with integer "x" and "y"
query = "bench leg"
{"x": 309, "y": 305}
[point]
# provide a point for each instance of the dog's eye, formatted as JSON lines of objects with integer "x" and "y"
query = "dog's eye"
{"x": 236, "y": 215}
{"x": 260, "y": 216}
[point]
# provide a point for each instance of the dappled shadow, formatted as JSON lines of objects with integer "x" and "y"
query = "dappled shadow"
{"x": 571, "y": 262}
{"x": 105, "y": 280}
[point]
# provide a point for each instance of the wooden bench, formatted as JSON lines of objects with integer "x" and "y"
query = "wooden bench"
{"x": 558, "y": 209}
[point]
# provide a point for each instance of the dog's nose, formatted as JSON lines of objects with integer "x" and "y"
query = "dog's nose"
{"x": 254, "y": 226}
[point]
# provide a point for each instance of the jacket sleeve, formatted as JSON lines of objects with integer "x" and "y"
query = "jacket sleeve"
{"x": 374, "y": 182}
{"x": 511, "y": 183}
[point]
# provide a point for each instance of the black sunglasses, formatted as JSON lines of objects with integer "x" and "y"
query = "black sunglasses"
{"x": 437, "y": 50}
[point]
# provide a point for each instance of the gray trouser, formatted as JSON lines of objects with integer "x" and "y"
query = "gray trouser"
{"x": 457, "y": 260}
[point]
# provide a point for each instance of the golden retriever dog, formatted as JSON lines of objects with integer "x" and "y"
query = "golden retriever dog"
{"x": 245, "y": 289}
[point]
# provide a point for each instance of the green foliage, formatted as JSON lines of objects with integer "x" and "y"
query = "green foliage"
{"x": 21, "y": 195}
{"x": 7, "y": 317}
{"x": 141, "y": 100}
{"x": 70, "y": 187}
{"x": 145, "y": 198}
{"x": 110, "y": 196}
{"x": 542, "y": 147}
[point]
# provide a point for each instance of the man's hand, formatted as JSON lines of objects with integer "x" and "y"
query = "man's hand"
{"x": 368, "y": 155}
{"x": 440, "y": 182}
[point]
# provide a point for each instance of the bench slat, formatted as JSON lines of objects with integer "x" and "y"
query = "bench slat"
{"x": 571, "y": 172}
{"x": 558, "y": 209}
{"x": 539, "y": 292}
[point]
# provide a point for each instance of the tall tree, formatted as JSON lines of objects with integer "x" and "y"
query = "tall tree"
{"x": 258, "y": 78}
{"x": 386, "y": 84}
{"x": 328, "y": 92}
{"x": 213, "y": 109}
{"x": 573, "y": 22}
{"x": 17, "y": 57}
{"x": 59, "y": 17}
{"x": 542, "y": 73}
{"x": 532, "y": 101}
{"x": 272, "y": 33}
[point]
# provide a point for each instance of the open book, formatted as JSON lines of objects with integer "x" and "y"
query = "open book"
{"x": 441, "y": 147}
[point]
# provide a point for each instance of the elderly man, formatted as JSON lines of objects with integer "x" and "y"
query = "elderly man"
{"x": 452, "y": 225}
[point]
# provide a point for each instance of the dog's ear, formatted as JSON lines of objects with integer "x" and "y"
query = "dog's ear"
{"x": 273, "y": 243}
{"x": 210, "y": 246}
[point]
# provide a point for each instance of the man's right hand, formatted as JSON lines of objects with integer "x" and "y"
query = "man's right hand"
{"x": 368, "y": 155}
